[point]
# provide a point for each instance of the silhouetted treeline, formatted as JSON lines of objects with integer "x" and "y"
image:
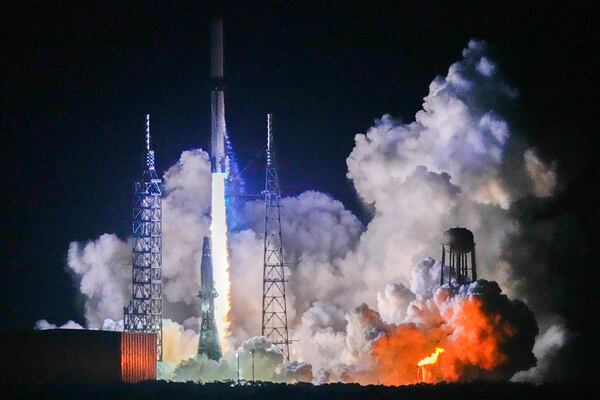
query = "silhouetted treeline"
{"x": 267, "y": 391}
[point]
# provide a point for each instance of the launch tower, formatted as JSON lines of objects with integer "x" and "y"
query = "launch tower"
{"x": 209, "y": 338}
{"x": 458, "y": 257}
{"x": 144, "y": 311}
{"x": 274, "y": 310}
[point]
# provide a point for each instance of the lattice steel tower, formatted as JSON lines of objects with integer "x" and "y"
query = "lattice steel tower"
{"x": 144, "y": 311}
{"x": 274, "y": 310}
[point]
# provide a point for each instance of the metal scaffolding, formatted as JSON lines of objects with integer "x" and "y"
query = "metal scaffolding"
{"x": 274, "y": 310}
{"x": 144, "y": 311}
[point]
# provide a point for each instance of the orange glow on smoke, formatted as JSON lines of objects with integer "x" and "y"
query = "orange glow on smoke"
{"x": 432, "y": 359}
{"x": 470, "y": 339}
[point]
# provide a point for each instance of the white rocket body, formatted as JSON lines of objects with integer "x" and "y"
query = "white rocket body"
{"x": 217, "y": 99}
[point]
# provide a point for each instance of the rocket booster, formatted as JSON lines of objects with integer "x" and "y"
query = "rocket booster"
{"x": 217, "y": 99}
{"x": 209, "y": 343}
{"x": 207, "y": 285}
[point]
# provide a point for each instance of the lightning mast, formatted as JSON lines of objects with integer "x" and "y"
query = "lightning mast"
{"x": 274, "y": 310}
{"x": 144, "y": 311}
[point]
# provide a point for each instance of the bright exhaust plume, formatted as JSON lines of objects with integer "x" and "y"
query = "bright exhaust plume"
{"x": 220, "y": 258}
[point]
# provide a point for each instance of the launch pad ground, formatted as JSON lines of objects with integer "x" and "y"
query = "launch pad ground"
{"x": 267, "y": 391}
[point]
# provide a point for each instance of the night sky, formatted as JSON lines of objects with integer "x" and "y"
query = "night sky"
{"x": 80, "y": 79}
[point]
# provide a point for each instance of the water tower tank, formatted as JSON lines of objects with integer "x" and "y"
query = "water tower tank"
{"x": 460, "y": 240}
{"x": 458, "y": 257}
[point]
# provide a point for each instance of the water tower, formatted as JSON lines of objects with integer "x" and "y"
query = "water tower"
{"x": 458, "y": 257}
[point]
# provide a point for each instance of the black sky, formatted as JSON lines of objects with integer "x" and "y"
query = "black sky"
{"x": 80, "y": 77}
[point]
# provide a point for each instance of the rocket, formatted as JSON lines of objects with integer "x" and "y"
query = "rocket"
{"x": 217, "y": 99}
{"x": 209, "y": 343}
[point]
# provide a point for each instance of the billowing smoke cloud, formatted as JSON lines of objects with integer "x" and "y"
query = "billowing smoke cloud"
{"x": 458, "y": 163}
{"x": 102, "y": 267}
{"x": 186, "y": 222}
{"x": 484, "y": 336}
{"x": 318, "y": 231}
{"x": 441, "y": 170}
{"x": 543, "y": 176}
{"x": 257, "y": 359}
{"x": 444, "y": 169}
{"x": 546, "y": 349}
{"x": 42, "y": 324}
{"x": 322, "y": 338}
{"x": 393, "y": 302}
{"x": 179, "y": 342}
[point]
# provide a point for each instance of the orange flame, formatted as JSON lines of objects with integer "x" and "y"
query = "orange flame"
{"x": 432, "y": 359}
{"x": 471, "y": 340}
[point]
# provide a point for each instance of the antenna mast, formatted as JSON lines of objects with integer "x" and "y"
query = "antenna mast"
{"x": 274, "y": 310}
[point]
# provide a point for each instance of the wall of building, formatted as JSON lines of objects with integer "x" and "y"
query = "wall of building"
{"x": 65, "y": 356}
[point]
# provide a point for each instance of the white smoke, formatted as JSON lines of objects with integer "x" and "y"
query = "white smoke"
{"x": 111, "y": 325}
{"x": 321, "y": 335}
{"x": 295, "y": 371}
{"x": 317, "y": 232}
{"x": 393, "y": 301}
{"x": 546, "y": 349}
{"x": 543, "y": 176}
{"x": 102, "y": 267}
{"x": 246, "y": 260}
{"x": 179, "y": 342}
{"x": 186, "y": 222}
{"x": 441, "y": 170}
{"x": 254, "y": 359}
{"x": 42, "y": 325}
{"x": 446, "y": 168}
{"x": 420, "y": 178}
{"x": 424, "y": 277}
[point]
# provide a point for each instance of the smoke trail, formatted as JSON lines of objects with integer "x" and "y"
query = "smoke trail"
{"x": 220, "y": 258}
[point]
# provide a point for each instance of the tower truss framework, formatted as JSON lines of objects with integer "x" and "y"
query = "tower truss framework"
{"x": 274, "y": 309}
{"x": 144, "y": 311}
